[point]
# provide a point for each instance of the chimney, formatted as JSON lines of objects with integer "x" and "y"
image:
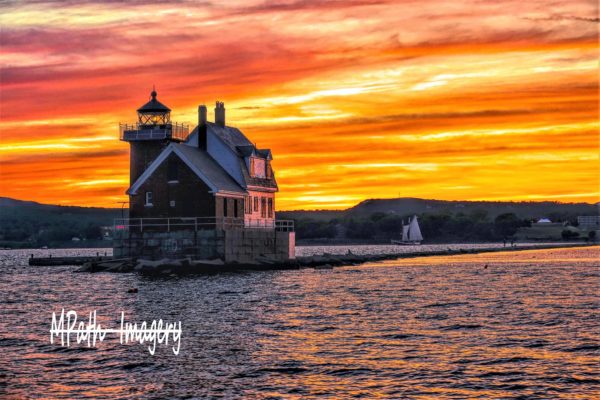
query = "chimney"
{"x": 202, "y": 127}
{"x": 220, "y": 113}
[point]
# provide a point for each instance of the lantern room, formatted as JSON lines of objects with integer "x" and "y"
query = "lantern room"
{"x": 154, "y": 123}
{"x": 154, "y": 113}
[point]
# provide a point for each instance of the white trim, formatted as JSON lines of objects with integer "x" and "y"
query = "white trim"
{"x": 262, "y": 189}
{"x": 159, "y": 160}
{"x": 224, "y": 193}
{"x": 148, "y": 200}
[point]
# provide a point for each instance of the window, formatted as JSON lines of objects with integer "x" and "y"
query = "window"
{"x": 172, "y": 203}
{"x": 270, "y": 207}
{"x": 257, "y": 167}
{"x": 256, "y": 204}
{"x": 149, "y": 199}
{"x": 225, "y": 206}
{"x": 173, "y": 171}
{"x": 235, "y": 208}
{"x": 248, "y": 204}
{"x": 263, "y": 207}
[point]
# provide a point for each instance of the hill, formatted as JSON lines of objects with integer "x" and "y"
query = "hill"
{"x": 529, "y": 209}
{"x": 31, "y": 224}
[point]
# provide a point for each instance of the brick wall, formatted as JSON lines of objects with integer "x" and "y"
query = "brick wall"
{"x": 141, "y": 155}
{"x": 190, "y": 194}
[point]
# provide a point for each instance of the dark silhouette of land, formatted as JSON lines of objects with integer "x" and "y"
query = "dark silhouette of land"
{"x": 27, "y": 224}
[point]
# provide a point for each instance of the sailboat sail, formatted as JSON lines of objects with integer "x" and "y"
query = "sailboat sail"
{"x": 411, "y": 233}
{"x": 414, "y": 232}
{"x": 405, "y": 233}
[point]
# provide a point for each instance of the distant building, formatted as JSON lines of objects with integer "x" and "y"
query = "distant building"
{"x": 589, "y": 222}
{"x": 210, "y": 179}
{"x": 106, "y": 232}
{"x": 546, "y": 223}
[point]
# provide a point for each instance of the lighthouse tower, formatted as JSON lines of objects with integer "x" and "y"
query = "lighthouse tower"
{"x": 152, "y": 132}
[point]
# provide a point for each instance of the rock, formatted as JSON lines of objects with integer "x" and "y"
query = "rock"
{"x": 213, "y": 262}
{"x": 265, "y": 260}
{"x": 186, "y": 262}
{"x": 325, "y": 266}
{"x": 132, "y": 290}
{"x": 303, "y": 261}
{"x": 111, "y": 266}
{"x": 86, "y": 267}
{"x": 152, "y": 263}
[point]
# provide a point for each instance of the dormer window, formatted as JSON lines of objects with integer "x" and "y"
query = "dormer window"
{"x": 257, "y": 167}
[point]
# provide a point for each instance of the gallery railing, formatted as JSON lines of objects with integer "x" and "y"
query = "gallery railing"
{"x": 199, "y": 223}
{"x": 172, "y": 130}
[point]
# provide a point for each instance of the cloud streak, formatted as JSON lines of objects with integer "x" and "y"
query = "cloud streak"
{"x": 496, "y": 99}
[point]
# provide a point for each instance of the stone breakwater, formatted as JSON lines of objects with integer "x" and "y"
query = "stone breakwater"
{"x": 323, "y": 261}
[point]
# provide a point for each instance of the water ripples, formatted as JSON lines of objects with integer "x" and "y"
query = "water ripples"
{"x": 518, "y": 325}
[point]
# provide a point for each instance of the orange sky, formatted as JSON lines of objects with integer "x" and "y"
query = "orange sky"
{"x": 459, "y": 100}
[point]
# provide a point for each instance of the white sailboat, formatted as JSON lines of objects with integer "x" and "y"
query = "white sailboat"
{"x": 411, "y": 233}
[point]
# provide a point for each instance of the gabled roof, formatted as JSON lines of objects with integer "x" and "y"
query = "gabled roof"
{"x": 239, "y": 145}
{"x": 200, "y": 162}
{"x": 247, "y": 150}
{"x": 232, "y": 137}
{"x": 265, "y": 153}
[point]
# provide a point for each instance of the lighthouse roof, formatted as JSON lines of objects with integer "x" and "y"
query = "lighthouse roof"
{"x": 153, "y": 105}
{"x": 200, "y": 162}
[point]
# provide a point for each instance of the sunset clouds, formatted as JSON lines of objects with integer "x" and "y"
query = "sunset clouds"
{"x": 357, "y": 99}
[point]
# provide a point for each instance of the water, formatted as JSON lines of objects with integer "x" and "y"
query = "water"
{"x": 527, "y": 326}
{"x": 396, "y": 249}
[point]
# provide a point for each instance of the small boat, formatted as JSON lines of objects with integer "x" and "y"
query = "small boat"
{"x": 411, "y": 233}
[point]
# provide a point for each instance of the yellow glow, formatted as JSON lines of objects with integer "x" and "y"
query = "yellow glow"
{"x": 481, "y": 104}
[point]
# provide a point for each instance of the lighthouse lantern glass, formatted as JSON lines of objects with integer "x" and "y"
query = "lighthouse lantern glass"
{"x": 154, "y": 118}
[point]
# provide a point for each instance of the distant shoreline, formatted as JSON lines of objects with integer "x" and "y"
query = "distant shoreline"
{"x": 316, "y": 243}
{"x": 341, "y": 242}
{"x": 325, "y": 260}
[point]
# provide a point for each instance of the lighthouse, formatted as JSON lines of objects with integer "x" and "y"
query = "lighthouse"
{"x": 209, "y": 192}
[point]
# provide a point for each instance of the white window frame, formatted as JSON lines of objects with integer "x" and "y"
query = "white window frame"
{"x": 149, "y": 199}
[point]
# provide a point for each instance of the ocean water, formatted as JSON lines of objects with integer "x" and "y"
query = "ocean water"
{"x": 498, "y": 325}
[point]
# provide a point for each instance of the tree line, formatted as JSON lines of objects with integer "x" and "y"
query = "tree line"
{"x": 382, "y": 227}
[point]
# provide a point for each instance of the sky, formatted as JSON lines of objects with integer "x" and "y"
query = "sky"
{"x": 358, "y": 99}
